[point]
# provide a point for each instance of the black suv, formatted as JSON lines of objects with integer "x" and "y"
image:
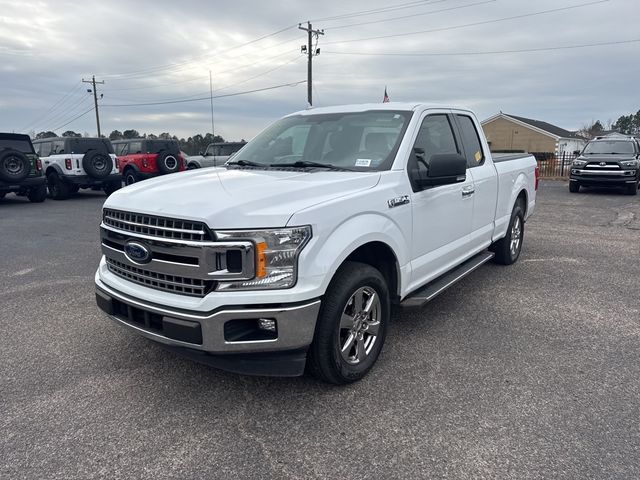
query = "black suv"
{"x": 20, "y": 168}
{"x": 607, "y": 162}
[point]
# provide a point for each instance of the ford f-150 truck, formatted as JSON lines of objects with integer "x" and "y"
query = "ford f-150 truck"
{"x": 291, "y": 254}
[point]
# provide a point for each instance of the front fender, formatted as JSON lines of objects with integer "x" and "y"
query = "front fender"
{"x": 330, "y": 248}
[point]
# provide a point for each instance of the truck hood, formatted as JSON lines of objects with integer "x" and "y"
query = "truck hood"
{"x": 238, "y": 198}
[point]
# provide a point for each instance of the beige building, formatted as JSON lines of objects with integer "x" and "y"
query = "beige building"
{"x": 510, "y": 132}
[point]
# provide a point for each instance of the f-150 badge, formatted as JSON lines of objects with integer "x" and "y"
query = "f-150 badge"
{"x": 397, "y": 201}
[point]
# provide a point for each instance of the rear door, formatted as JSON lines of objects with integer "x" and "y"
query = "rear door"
{"x": 442, "y": 215}
{"x": 485, "y": 180}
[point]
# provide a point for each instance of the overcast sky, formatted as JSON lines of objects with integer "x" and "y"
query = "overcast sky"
{"x": 163, "y": 51}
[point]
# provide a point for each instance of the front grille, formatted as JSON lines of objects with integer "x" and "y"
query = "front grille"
{"x": 607, "y": 165}
{"x": 160, "y": 281}
{"x": 153, "y": 226}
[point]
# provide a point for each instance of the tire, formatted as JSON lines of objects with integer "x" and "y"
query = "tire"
{"x": 167, "y": 162}
{"x": 574, "y": 187}
{"x": 111, "y": 187}
{"x": 508, "y": 249}
{"x": 97, "y": 164}
{"x": 37, "y": 194}
{"x": 73, "y": 188}
{"x": 57, "y": 188}
{"x": 326, "y": 358}
{"x": 2, "y": 194}
{"x": 632, "y": 189}
{"x": 14, "y": 166}
{"x": 130, "y": 177}
{"x": 192, "y": 166}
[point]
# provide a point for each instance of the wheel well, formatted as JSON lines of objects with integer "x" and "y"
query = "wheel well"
{"x": 522, "y": 197}
{"x": 381, "y": 257}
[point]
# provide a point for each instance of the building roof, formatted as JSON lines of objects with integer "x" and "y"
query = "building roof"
{"x": 538, "y": 124}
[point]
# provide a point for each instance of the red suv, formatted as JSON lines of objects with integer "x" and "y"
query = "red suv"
{"x": 142, "y": 158}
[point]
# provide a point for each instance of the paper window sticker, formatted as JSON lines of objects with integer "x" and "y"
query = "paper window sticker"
{"x": 363, "y": 162}
{"x": 478, "y": 156}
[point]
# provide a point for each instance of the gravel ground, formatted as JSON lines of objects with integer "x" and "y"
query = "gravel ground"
{"x": 528, "y": 371}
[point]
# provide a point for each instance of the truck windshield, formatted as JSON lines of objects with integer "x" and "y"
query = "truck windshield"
{"x": 361, "y": 141}
{"x": 609, "y": 147}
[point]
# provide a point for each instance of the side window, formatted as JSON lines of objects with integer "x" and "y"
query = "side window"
{"x": 57, "y": 147}
{"x": 435, "y": 137}
{"x": 135, "y": 147}
{"x": 45, "y": 149}
{"x": 470, "y": 141}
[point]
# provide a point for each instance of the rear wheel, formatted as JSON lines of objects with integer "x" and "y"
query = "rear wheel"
{"x": 74, "y": 188}
{"x": 351, "y": 326}
{"x": 130, "y": 177}
{"x": 508, "y": 249}
{"x": 192, "y": 166}
{"x": 57, "y": 188}
{"x": 574, "y": 187}
{"x": 37, "y": 194}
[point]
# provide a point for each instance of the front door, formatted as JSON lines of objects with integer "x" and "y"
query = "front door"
{"x": 442, "y": 215}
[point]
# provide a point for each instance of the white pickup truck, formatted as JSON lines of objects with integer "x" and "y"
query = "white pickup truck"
{"x": 291, "y": 255}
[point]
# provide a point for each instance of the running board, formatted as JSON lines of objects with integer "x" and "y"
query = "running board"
{"x": 421, "y": 297}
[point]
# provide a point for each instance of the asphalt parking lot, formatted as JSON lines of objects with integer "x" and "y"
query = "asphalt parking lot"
{"x": 528, "y": 371}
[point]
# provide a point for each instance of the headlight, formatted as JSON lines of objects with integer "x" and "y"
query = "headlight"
{"x": 630, "y": 163}
{"x": 579, "y": 163}
{"x": 276, "y": 260}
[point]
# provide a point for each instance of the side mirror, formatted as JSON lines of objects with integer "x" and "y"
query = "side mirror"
{"x": 444, "y": 169}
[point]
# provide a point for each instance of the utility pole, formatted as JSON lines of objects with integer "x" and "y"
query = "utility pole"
{"x": 308, "y": 49}
{"x": 213, "y": 131}
{"x": 95, "y": 98}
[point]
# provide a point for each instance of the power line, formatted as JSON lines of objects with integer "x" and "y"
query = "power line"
{"x": 55, "y": 105}
{"x": 73, "y": 119}
{"x": 493, "y": 52}
{"x": 410, "y": 16}
{"x": 454, "y": 27}
{"x": 178, "y": 64}
{"x": 374, "y": 11}
{"x": 64, "y": 113}
{"x": 293, "y": 84}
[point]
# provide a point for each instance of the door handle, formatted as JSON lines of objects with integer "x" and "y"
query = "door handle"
{"x": 468, "y": 191}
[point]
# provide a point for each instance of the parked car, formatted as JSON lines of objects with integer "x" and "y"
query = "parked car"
{"x": 292, "y": 255}
{"x": 142, "y": 158}
{"x": 20, "y": 168}
{"x": 607, "y": 162}
{"x": 215, "y": 155}
{"x": 72, "y": 163}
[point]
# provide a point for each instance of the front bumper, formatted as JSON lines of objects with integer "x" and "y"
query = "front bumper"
{"x": 608, "y": 177}
{"x": 211, "y": 337}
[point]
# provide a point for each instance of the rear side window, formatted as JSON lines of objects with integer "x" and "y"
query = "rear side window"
{"x": 44, "y": 149}
{"x": 134, "y": 147}
{"x": 470, "y": 141}
{"x": 121, "y": 148}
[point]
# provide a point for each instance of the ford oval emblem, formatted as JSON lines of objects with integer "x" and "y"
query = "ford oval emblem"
{"x": 137, "y": 252}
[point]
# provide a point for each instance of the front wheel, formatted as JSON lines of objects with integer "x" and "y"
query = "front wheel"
{"x": 57, "y": 188}
{"x": 574, "y": 187}
{"x": 632, "y": 189}
{"x": 351, "y": 326}
{"x": 37, "y": 194}
{"x": 508, "y": 248}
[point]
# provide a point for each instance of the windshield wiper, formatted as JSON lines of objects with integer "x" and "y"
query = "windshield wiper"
{"x": 247, "y": 163}
{"x": 307, "y": 164}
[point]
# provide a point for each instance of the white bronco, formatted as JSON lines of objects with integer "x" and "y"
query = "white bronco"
{"x": 291, "y": 255}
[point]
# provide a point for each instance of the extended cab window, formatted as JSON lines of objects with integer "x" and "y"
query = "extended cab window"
{"x": 470, "y": 141}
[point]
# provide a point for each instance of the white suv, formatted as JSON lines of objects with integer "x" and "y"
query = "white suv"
{"x": 72, "y": 163}
{"x": 216, "y": 154}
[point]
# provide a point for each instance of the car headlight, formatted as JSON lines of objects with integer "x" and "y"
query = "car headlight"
{"x": 629, "y": 163}
{"x": 579, "y": 163}
{"x": 276, "y": 261}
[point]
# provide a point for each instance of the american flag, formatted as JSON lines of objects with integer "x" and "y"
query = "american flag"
{"x": 385, "y": 99}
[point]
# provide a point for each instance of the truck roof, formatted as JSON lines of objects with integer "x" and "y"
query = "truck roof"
{"x": 361, "y": 107}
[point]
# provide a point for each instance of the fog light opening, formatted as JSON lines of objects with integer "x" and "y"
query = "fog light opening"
{"x": 267, "y": 324}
